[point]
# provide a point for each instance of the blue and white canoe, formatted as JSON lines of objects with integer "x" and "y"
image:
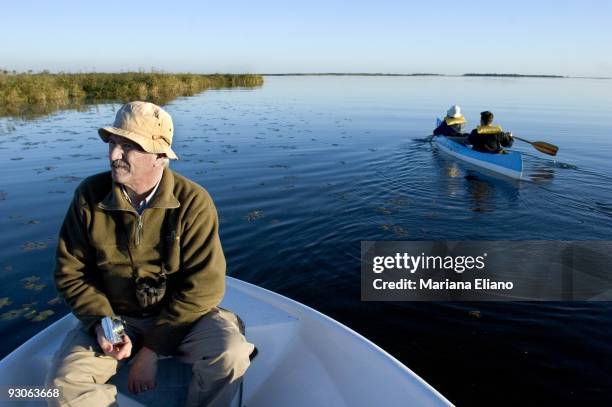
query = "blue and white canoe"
{"x": 305, "y": 359}
{"x": 509, "y": 164}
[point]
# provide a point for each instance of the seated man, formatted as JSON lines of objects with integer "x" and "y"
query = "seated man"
{"x": 452, "y": 125}
{"x": 488, "y": 137}
{"x": 141, "y": 242}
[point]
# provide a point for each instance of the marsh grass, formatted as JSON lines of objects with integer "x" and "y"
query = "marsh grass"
{"x": 29, "y": 95}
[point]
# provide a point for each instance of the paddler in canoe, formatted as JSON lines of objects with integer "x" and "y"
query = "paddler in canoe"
{"x": 453, "y": 124}
{"x": 489, "y": 137}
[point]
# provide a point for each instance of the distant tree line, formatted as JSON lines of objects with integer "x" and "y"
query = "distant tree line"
{"x": 513, "y": 75}
{"x": 351, "y": 74}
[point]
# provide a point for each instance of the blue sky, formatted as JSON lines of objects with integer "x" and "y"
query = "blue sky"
{"x": 453, "y": 37}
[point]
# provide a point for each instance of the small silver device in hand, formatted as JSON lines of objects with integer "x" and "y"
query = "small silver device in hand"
{"x": 114, "y": 329}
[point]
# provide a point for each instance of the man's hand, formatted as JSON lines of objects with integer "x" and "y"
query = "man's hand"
{"x": 119, "y": 351}
{"x": 143, "y": 371}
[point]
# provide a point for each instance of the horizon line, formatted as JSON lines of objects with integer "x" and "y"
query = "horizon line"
{"x": 469, "y": 74}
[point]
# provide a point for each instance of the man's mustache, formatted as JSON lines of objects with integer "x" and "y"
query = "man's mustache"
{"x": 120, "y": 164}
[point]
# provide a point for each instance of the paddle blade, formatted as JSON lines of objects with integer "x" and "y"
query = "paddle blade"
{"x": 545, "y": 148}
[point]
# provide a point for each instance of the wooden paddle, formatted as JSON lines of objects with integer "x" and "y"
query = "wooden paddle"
{"x": 541, "y": 146}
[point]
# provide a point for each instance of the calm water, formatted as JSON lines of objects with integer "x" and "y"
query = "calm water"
{"x": 303, "y": 169}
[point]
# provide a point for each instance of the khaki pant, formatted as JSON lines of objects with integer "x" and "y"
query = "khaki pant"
{"x": 215, "y": 346}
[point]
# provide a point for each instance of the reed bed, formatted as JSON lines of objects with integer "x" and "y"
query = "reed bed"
{"x": 34, "y": 94}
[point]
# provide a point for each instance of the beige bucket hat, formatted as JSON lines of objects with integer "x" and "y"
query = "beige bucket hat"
{"x": 146, "y": 124}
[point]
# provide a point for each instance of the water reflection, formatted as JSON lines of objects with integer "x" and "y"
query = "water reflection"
{"x": 453, "y": 170}
{"x": 487, "y": 193}
{"x": 482, "y": 194}
{"x": 479, "y": 191}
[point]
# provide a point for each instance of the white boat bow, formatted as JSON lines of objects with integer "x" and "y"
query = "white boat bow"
{"x": 305, "y": 359}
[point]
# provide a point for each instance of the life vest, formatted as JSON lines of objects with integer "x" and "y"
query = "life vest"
{"x": 451, "y": 121}
{"x": 490, "y": 129}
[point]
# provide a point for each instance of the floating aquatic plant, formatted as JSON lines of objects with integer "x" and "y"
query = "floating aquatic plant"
{"x": 12, "y": 314}
{"x": 15, "y": 313}
{"x": 4, "y": 301}
{"x": 254, "y": 215}
{"x": 30, "y": 314}
{"x": 67, "y": 178}
{"x": 30, "y": 280}
{"x": 55, "y": 300}
{"x": 41, "y": 316}
{"x": 30, "y": 246}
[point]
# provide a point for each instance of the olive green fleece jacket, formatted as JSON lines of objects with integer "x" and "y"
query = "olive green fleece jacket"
{"x": 103, "y": 243}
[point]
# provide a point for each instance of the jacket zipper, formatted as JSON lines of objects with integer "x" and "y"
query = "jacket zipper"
{"x": 139, "y": 230}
